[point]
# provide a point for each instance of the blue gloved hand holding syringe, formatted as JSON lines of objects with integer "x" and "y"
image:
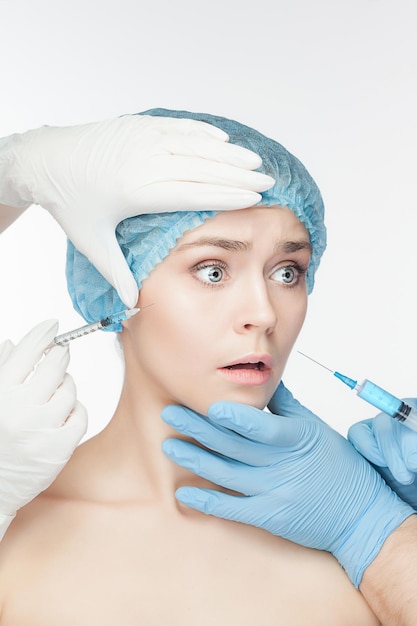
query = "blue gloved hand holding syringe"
{"x": 388, "y": 441}
{"x": 392, "y": 450}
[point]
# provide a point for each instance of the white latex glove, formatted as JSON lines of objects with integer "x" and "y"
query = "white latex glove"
{"x": 91, "y": 177}
{"x": 41, "y": 421}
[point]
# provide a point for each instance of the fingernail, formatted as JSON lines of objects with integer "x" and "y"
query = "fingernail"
{"x": 268, "y": 180}
{"x": 172, "y": 449}
{"x": 171, "y": 415}
{"x": 184, "y": 496}
{"x": 217, "y": 411}
{"x": 167, "y": 447}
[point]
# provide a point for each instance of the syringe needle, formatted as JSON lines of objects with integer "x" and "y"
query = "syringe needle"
{"x": 378, "y": 397}
{"x": 90, "y": 328}
{"x": 314, "y": 361}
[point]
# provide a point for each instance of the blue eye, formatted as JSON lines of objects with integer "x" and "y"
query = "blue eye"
{"x": 286, "y": 275}
{"x": 210, "y": 273}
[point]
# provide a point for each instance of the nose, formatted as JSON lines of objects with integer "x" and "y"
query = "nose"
{"x": 256, "y": 309}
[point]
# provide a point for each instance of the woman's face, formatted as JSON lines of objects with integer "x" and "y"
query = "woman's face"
{"x": 228, "y": 304}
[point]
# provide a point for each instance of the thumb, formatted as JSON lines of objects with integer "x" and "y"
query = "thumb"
{"x": 361, "y": 436}
{"x": 108, "y": 258}
{"x": 257, "y": 425}
{"x": 5, "y": 350}
{"x": 284, "y": 403}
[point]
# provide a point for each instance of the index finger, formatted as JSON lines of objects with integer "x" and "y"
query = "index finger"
{"x": 209, "y": 147}
{"x": 258, "y": 426}
{"x": 27, "y": 353}
{"x": 6, "y": 348}
{"x": 217, "y": 438}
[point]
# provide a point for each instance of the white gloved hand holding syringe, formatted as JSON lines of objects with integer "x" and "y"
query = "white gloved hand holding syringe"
{"x": 41, "y": 421}
{"x": 89, "y": 178}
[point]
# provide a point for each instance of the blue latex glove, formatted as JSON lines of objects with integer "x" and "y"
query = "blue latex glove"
{"x": 392, "y": 450}
{"x": 301, "y": 480}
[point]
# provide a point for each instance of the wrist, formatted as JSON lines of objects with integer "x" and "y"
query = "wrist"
{"x": 365, "y": 539}
{"x": 5, "y": 521}
{"x": 389, "y": 583}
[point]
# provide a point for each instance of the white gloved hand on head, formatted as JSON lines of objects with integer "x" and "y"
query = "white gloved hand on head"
{"x": 41, "y": 421}
{"x": 91, "y": 177}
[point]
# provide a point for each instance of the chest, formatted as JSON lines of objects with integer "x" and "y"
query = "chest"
{"x": 148, "y": 570}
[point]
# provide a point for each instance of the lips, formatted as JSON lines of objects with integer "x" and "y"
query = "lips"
{"x": 248, "y": 370}
{"x": 256, "y": 361}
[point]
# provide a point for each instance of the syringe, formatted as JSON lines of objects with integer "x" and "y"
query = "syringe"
{"x": 378, "y": 397}
{"x": 90, "y": 328}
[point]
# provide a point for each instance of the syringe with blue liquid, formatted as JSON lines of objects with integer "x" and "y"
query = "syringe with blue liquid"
{"x": 378, "y": 397}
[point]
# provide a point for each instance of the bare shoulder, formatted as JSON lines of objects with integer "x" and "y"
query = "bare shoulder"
{"x": 37, "y": 534}
{"x": 60, "y": 548}
{"x": 20, "y": 541}
{"x": 73, "y": 556}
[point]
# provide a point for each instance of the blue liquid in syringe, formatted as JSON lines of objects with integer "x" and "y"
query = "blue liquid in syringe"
{"x": 378, "y": 397}
{"x": 382, "y": 400}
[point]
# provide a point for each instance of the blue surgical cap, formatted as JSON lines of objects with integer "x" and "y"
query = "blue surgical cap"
{"x": 147, "y": 239}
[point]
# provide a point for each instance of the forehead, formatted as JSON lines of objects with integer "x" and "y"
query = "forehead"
{"x": 276, "y": 222}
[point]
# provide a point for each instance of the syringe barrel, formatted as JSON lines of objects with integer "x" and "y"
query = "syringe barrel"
{"x": 379, "y": 398}
{"x": 387, "y": 403}
{"x": 77, "y": 332}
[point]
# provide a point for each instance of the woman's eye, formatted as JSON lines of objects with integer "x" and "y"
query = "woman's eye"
{"x": 287, "y": 275}
{"x": 210, "y": 273}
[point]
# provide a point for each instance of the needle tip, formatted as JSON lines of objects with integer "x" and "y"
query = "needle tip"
{"x": 144, "y": 307}
{"x": 314, "y": 361}
{"x": 131, "y": 312}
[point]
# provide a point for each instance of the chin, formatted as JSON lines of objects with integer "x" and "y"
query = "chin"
{"x": 258, "y": 402}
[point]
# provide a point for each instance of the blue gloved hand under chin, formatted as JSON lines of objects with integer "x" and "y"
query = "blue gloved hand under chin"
{"x": 299, "y": 478}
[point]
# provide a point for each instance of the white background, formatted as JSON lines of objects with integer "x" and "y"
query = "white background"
{"x": 333, "y": 81}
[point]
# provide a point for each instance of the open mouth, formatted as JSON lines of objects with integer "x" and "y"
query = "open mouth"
{"x": 251, "y": 372}
{"x": 259, "y": 365}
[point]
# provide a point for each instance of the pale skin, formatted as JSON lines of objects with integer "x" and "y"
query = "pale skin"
{"x": 108, "y": 543}
{"x": 8, "y": 215}
{"x": 388, "y": 583}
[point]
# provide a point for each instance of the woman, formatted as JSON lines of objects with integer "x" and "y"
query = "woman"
{"x": 108, "y": 542}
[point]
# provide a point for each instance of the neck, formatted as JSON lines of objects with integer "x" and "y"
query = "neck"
{"x": 129, "y": 450}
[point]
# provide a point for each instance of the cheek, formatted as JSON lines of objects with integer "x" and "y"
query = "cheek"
{"x": 179, "y": 306}
{"x": 292, "y": 319}
{"x": 177, "y": 325}
{"x": 301, "y": 313}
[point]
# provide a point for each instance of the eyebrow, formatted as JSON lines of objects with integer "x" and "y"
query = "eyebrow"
{"x": 227, "y": 244}
{"x": 234, "y": 245}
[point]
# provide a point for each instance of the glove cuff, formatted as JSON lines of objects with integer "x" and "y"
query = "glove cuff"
{"x": 366, "y": 539}
{"x": 5, "y": 521}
